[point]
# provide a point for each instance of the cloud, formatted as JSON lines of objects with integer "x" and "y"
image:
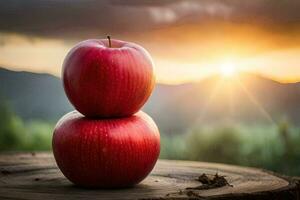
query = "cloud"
{"x": 91, "y": 18}
{"x": 70, "y": 18}
{"x": 189, "y": 11}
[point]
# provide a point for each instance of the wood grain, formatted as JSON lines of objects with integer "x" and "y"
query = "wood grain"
{"x": 36, "y": 176}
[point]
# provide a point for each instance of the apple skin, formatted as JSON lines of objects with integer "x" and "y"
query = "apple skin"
{"x": 103, "y": 81}
{"x": 106, "y": 153}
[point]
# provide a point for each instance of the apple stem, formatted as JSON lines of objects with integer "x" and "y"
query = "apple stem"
{"x": 109, "y": 42}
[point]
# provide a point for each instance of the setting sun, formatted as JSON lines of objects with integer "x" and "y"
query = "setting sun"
{"x": 228, "y": 69}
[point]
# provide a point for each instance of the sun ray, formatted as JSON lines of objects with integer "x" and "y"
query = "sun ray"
{"x": 255, "y": 101}
{"x": 211, "y": 97}
{"x": 229, "y": 79}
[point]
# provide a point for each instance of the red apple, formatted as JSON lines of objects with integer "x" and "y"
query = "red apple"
{"x": 108, "y": 80}
{"x": 106, "y": 153}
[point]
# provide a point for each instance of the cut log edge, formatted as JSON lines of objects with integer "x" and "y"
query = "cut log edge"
{"x": 289, "y": 192}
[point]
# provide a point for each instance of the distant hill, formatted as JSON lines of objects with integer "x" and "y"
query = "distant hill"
{"x": 175, "y": 108}
{"x": 34, "y": 96}
{"x": 249, "y": 99}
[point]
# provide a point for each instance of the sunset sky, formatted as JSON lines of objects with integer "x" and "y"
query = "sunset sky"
{"x": 188, "y": 40}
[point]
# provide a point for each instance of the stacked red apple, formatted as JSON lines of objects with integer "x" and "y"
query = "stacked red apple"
{"x": 108, "y": 142}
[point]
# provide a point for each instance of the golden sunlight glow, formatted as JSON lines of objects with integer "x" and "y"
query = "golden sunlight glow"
{"x": 244, "y": 49}
{"x": 228, "y": 69}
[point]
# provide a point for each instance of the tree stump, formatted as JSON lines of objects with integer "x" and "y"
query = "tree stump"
{"x": 36, "y": 176}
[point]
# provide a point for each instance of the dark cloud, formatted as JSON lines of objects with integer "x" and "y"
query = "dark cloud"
{"x": 90, "y": 18}
{"x": 69, "y": 17}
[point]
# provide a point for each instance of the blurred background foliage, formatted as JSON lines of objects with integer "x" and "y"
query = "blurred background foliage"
{"x": 271, "y": 147}
{"x": 17, "y": 135}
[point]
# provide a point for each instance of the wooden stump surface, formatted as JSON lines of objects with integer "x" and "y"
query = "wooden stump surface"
{"x": 36, "y": 176}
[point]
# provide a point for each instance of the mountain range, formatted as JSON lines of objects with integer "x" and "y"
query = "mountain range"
{"x": 246, "y": 98}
